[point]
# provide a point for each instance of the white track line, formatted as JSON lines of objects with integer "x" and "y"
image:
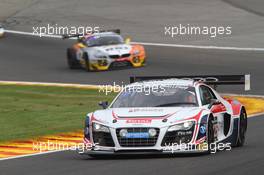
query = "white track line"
{"x": 83, "y": 86}
{"x": 201, "y": 47}
{"x": 155, "y": 44}
{"x": 49, "y": 152}
{"x": 93, "y": 86}
{"x": 255, "y": 115}
{"x": 29, "y": 155}
{"x": 32, "y": 34}
{"x": 242, "y": 95}
{"x": 26, "y": 83}
{"x": 100, "y": 87}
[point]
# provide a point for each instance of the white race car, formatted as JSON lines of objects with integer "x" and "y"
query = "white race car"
{"x": 104, "y": 50}
{"x": 168, "y": 115}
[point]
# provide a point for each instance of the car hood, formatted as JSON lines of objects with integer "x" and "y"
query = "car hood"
{"x": 119, "y": 49}
{"x": 146, "y": 115}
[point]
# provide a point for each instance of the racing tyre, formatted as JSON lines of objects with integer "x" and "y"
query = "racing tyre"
{"x": 242, "y": 129}
{"x": 86, "y": 62}
{"x": 71, "y": 59}
{"x": 210, "y": 134}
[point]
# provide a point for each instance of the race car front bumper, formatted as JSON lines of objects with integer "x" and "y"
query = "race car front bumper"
{"x": 112, "y": 151}
{"x": 112, "y": 143}
{"x": 105, "y": 64}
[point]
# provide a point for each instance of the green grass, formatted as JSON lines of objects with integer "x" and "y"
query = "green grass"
{"x": 32, "y": 111}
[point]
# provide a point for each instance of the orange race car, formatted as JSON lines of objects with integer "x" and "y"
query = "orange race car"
{"x": 104, "y": 50}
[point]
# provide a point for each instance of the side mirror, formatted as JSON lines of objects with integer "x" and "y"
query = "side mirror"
{"x": 128, "y": 40}
{"x": 214, "y": 102}
{"x": 104, "y": 104}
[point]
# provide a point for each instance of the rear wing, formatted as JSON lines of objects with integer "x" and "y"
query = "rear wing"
{"x": 78, "y": 35}
{"x": 212, "y": 80}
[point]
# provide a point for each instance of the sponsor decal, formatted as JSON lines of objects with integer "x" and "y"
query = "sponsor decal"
{"x": 138, "y": 121}
{"x": 213, "y": 147}
{"x": 145, "y": 110}
{"x": 142, "y": 135}
{"x": 202, "y": 129}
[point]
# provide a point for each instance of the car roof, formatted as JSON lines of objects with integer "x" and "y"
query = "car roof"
{"x": 170, "y": 82}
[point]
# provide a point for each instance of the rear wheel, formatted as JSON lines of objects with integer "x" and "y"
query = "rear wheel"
{"x": 242, "y": 129}
{"x": 71, "y": 59}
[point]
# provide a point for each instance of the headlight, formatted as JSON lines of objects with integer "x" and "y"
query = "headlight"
{"x": 152, "y": 132}
{"x": 136, "y": 52}
{"x": 123, "y": 132}
{"x": 182, "y": 126}
{"x": 100, "y": 128}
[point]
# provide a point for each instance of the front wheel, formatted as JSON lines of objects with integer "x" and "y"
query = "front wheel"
{"x": 210, "y": 134}
{"x": 71, "y": 59}
{"x": 86, "y": 62}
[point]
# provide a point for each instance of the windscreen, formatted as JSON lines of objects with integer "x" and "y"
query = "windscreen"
{"x": 104, "y": 40}
{"x": 161, "y": 97}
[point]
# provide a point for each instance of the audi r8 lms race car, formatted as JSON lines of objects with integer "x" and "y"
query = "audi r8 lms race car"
{"x": 104, "y": 50}
{"x": 168, "y": 115}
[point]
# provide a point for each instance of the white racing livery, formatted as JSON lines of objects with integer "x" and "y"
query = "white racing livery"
{"x": 168, "y": 115}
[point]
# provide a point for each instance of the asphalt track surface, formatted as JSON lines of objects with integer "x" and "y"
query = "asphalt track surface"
{"x": 245, "y": 160}
{"x": 26, "y": 58}
{"x": 35, "y": 59}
